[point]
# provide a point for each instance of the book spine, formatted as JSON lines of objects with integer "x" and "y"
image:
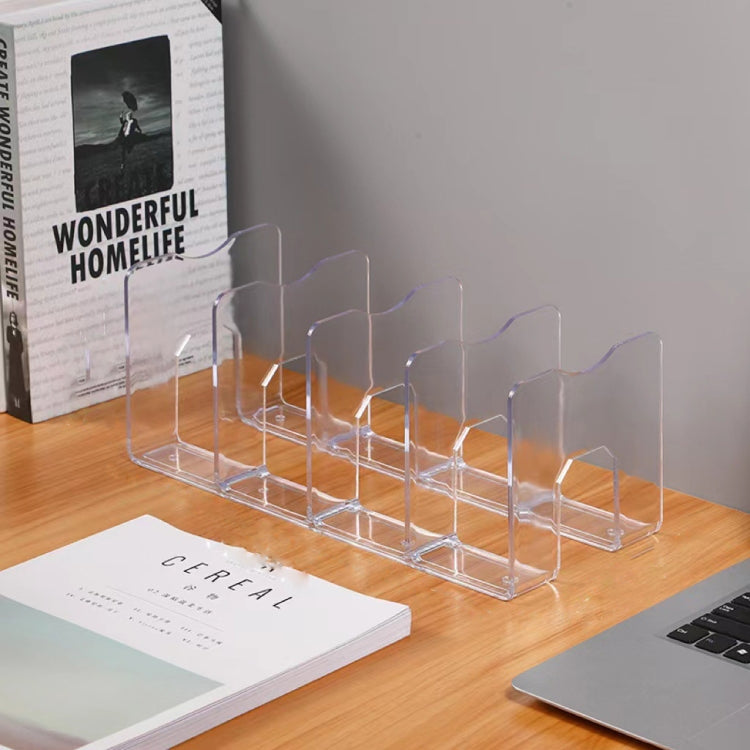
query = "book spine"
{"x": 3, "y": 379}
{"x": 11, "y": 237}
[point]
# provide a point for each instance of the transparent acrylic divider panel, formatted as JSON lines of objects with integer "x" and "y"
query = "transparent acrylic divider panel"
{"x": 260, "y": 333}
{"x": 586, "y": 447}
{"x": 458, "y": 524}
{"x": 356, "y": 403}
{"x": 166, "y": 338}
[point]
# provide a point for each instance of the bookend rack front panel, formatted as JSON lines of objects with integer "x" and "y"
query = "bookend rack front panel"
{"x": 167, "y": 431}
{"x": 259, "y": 334}
{"x": 357, "y": 400}
{"x": 588, "y": 445}
{"x": 457, "y": 450}
{"x": 388, "y": 430}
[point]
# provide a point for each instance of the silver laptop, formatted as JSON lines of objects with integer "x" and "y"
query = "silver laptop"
{"x": 676, "y": 675}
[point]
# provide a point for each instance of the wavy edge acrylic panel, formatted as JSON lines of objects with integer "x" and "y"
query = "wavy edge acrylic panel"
{"x": 586, "y": 447}
{"x": 457, "y": 447}
{"x": 156, "y": 345}
{"x": 360, "y": 356}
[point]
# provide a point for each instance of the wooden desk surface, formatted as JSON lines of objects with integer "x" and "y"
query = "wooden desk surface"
{"x": 448, "y": 684}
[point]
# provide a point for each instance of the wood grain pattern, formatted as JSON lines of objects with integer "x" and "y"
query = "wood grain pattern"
{"x": 448, "y": 684}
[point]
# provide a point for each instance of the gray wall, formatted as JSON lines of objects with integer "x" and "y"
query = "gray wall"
{"x": 591, "y": 154}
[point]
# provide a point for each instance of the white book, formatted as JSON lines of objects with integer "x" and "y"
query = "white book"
{"x": 2, "y": 367}
{"x": 144, "y": 636}
{"x": 112, "y": 152}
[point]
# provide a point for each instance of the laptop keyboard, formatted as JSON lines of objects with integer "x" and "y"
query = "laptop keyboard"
{"x": 724, "y": 631}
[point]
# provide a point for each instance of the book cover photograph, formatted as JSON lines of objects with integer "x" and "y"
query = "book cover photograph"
{"x": 143, "y": 635}
{"x": 45, "y": 657}
{"x": 128, "y": 155}
{"x": 111, "y": 153}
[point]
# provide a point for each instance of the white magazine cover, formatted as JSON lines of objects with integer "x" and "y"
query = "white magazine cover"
{"x": 144, "y": 635}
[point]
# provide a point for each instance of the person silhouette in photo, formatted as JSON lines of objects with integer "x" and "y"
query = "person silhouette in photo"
{"x": 130, "y": 131}
{"x": 17, "y": 395}
{"x": 128, "y": 135}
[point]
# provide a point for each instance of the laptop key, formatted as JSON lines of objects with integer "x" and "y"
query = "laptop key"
{"x": 740, "y": 653}
{"x": 688, "y": 634}
{"x": 734, "y": 612}
{"x": 737, "y": 630}
{"x": 716, "y": 643}
{"x": 743, "y": 599}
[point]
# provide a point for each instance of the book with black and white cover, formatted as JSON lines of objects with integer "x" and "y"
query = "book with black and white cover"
{"x": 2, "y": 369}
{"x": 143, "y": 636}
{"x": 112, "y": 151}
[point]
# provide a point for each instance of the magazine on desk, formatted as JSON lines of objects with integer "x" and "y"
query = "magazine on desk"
{"x": 144, "y": 636}
{"x": 111, "y": 152}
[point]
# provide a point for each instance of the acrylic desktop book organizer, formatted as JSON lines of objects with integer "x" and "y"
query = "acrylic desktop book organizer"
{"x": 388, "y": 429}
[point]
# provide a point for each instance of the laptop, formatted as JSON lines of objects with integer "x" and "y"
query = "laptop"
{"x": 676, "y": 675}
